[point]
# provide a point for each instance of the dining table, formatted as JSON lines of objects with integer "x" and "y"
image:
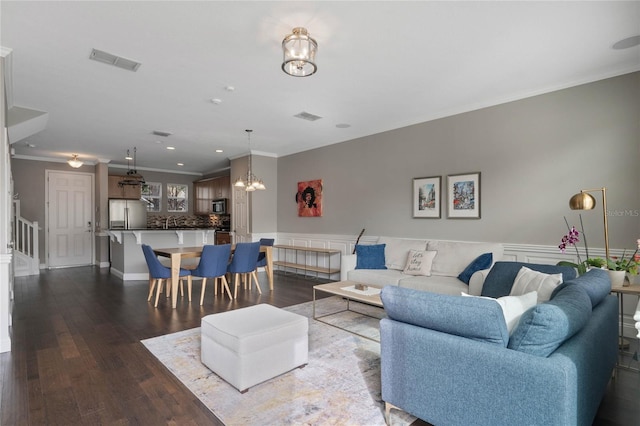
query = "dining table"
{"x": 176, "y": 254}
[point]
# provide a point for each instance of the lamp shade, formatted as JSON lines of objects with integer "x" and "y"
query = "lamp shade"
{"x": 582, "y": 201}
{"x": 299, "y": 53}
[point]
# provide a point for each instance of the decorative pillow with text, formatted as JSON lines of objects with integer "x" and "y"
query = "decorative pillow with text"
{"x": 419, "y": 262}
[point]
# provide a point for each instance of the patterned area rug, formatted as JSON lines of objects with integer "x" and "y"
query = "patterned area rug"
{"x": 339, "y": 386}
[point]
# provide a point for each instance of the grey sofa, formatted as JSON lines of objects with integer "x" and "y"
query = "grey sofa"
{"x": 450, "y": 361}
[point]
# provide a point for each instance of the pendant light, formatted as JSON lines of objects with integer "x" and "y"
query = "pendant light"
{"x": 133, "y": 177}
{"x": 250, "y": 183}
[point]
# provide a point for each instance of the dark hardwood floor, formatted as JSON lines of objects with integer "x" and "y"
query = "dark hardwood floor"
{"x": 77, "y": 357}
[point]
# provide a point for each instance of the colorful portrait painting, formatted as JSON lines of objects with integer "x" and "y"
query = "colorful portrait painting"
{"x": 309, "y": 198}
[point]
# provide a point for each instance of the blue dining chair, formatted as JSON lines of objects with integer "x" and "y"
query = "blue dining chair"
{"x": 244, "y": 261}
{"x": 213, "y": 264}
{"x": 262, "y": 257}
{"x": 158, "y": 272}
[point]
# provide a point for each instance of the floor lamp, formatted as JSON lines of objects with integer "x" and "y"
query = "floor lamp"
{"x": 585, "y": 201}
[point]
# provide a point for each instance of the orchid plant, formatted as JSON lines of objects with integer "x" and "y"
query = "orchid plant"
{"x": 630, "y": 264}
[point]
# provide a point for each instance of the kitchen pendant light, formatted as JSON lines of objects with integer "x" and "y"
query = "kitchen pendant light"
{"x": 299, "y": 53}
{"x": 250, "y": 182}
{"x": 133, "y": 178}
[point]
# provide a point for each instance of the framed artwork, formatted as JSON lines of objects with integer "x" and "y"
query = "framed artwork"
{"x": 463, "y": 196}
{"x": 309, "y": 198}
{"x": 426, "y": 197}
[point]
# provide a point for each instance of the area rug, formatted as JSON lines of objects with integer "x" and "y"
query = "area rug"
{"x": 339, "y": 386}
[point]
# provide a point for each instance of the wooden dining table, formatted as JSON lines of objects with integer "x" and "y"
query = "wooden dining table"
{"x": 176, "y": 254}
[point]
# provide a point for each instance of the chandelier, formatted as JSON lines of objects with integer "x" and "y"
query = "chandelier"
{"x": 299, "y": 53}
{"x": 250, "y": 182}
{"x": 133, "y": 178}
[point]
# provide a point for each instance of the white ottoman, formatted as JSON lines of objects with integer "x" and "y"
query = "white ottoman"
{"x": 250, "y": 345}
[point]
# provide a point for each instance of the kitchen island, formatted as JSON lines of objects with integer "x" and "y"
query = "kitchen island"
{"x": 127, "y": 259}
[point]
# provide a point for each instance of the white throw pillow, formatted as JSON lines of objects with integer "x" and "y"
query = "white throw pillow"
{"x": 419, "y": 262}
{"x": 513, "y": 306}
{"x": 529, "y": 280}
{"x": 397, "y": 249}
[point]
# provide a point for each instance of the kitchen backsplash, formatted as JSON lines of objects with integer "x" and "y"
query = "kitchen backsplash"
{"x": 157, "y": 221}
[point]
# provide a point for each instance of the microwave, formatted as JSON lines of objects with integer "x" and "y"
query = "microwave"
{"x": 219, "y": 206}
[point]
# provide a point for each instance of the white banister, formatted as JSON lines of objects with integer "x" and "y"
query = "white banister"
{"x": 25, "y": 243}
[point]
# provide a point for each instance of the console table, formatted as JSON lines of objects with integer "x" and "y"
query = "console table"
{"x": 326, "y": 252}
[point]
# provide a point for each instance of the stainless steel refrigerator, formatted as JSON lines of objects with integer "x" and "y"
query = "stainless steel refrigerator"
{"x": 127, "y": 214}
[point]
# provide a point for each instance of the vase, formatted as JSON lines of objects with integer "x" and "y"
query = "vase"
{"x": 618, "y": 278}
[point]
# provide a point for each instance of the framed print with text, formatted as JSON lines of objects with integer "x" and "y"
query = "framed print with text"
{"x": 426, "y": 197}
{"x": 463, "y": 196}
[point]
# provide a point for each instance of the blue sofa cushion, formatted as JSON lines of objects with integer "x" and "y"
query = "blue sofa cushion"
{"x": 370, "y": 256}
{"x": 543, "y": 328}
{"x": 481, "y": 262}
{"x": 595, "y": 282}
{"x": 471, "y": 317}
{"x": 500, "y": 279}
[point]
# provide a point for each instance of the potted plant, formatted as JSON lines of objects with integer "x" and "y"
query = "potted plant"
{"x": 619, "y": 268}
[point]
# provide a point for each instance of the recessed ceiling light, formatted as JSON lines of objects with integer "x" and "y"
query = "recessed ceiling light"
{"x": 180, "y": 164}
{"x": 219, "y": 150}
{"x": 229, "y": 88}
{"x": 216, "y": 101}
{"x": 171, "y": 148}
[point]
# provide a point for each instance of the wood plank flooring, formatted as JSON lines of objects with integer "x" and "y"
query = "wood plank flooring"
{"x": 77, "y": 357}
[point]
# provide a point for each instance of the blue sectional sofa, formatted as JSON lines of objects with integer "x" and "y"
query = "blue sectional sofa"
{"x": 450, "y": 360}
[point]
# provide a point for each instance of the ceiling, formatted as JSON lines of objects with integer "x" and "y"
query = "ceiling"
{"x": 381, "y": 66}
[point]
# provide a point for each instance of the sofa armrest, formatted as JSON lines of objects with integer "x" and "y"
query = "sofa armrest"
{"x": 347, "y": 263}
{"x": 476, "y": 282}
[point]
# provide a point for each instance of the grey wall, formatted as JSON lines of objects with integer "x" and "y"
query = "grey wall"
{"x": 533, "y": 155}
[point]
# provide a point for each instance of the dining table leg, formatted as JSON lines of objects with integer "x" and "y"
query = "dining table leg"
{"x": 175, "y": 278}
{"x": 269, "y": 258}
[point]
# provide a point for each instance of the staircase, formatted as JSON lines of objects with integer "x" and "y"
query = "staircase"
{"x": 26, "y": 257}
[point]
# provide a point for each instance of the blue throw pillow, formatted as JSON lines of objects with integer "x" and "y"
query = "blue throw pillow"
{"x": 502, "y": 275}
{"x": 474, "y": 318}
{"x": 370, "y": 256}
{"x": 481, "y": 262}
{"x": 543, "y": 328}
{"x": 595, "y": 282}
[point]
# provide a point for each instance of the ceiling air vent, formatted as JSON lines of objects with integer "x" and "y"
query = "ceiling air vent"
{"x": 307, "y": 116}
{"x": 116, "y": 61}
{"x": 161, "y": 133}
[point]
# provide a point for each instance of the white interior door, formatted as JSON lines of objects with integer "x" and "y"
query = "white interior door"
{"x": 240, "y": 215}
{"x": 69, "y": 219}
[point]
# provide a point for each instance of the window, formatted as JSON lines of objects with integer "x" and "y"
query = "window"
{"x": 177, "y": 200}
{"x": 152, "y": 194}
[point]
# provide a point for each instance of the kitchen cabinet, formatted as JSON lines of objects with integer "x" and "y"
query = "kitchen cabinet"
{"x": 208, "y": 190}
{"x": 130, "y": 192}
